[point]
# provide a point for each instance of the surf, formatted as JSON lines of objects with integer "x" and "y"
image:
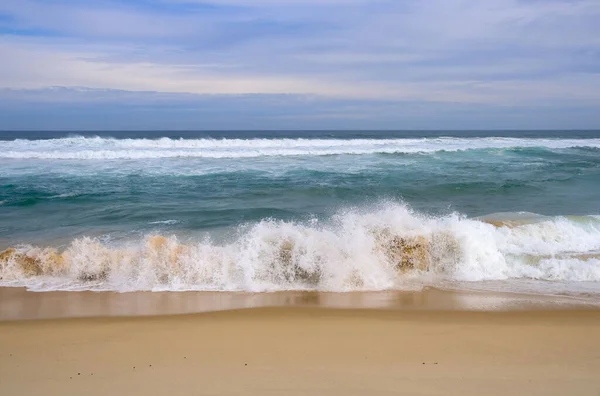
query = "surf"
{"x": 102, "y": 148}
{"x": 384, "y": 248}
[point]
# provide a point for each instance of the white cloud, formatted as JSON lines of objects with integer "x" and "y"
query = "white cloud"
{"x": 495, "y": 51}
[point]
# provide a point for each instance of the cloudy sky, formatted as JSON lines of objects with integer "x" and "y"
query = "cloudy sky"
{"x": 300, "y": 64}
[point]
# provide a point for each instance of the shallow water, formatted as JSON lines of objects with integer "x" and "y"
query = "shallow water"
{"x": 18, "y": 304}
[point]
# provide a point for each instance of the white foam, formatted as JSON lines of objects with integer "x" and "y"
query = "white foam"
{"x": 350, "y": 252}
{"x": 165, "y": 222}
{"x": 96, "y": 148}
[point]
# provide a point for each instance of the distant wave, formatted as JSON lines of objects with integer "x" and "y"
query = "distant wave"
{"x": 97, "y": 148}
{"x": 356, "y": 250}
{"x": 165, "y": 222}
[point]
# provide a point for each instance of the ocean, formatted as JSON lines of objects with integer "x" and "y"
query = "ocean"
{"x": 336, "y": 211}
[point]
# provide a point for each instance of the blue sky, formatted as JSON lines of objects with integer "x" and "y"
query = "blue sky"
{"x": 318, "y": 64}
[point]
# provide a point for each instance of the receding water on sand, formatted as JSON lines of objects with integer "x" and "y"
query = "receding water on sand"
{"x": 19, "y": 304}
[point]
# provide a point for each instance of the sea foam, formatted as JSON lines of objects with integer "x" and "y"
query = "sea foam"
{"x": 97, "y": 148}
{"x": 388, "y": 247}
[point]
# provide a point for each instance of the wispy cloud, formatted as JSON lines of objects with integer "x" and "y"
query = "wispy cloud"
{"x": 494, "y": 52}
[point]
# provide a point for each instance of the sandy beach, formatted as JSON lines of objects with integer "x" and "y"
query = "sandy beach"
{"x": 304, "y": 350}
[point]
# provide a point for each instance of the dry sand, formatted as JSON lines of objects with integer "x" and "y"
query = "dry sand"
{"x": 309, "y": 351}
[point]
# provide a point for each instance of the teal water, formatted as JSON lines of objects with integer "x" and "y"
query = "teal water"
{"x": 215, "y": 189}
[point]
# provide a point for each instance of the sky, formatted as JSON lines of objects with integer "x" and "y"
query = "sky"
{"x": 299, "y": 64}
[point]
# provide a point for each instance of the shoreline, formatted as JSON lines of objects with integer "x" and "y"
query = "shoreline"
{"x": 304, "y": 350}
{"x": 20, "y": 304}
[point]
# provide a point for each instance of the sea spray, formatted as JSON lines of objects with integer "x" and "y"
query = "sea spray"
{"x": 388, "y": 247}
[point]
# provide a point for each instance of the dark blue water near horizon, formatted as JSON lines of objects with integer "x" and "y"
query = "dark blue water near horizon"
{"x": 306, "y": 134}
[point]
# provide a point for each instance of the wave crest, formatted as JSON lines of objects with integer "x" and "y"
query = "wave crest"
{"x": 384, "y": 249}
{"x": 97, "y": 148}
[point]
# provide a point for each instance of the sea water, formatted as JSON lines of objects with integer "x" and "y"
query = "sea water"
{"x": 328, "y": 211}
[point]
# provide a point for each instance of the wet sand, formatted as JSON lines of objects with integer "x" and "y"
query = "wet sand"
{"x": 317, "y": 351}
{"x": 19, "y": 304}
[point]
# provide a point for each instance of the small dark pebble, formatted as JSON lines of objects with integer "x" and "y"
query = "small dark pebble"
{"x": 134, "y": 367}
{"x": 78, "y": 373}
{"x": 423, "y": 362}
{"x": 70, "y": 377}
{"x": 245, "y": 364}
{"x": 434, "y": 363}
{"x": 149, "y": 365}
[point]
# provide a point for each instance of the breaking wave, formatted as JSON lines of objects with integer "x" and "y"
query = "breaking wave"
{"x": 391, "y": 247}
{"x": 97, "y": 148}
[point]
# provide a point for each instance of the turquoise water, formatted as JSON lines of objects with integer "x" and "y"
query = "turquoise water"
{"x": 237, "y": 198}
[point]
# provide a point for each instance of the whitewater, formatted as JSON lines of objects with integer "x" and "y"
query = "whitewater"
{"x": 99, "y": 148}
{"x": 338, "y": 213}
{"x": 390, "y": 248}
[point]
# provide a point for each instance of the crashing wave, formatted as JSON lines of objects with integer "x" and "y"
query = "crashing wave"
{"x": 377, "y": 250}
